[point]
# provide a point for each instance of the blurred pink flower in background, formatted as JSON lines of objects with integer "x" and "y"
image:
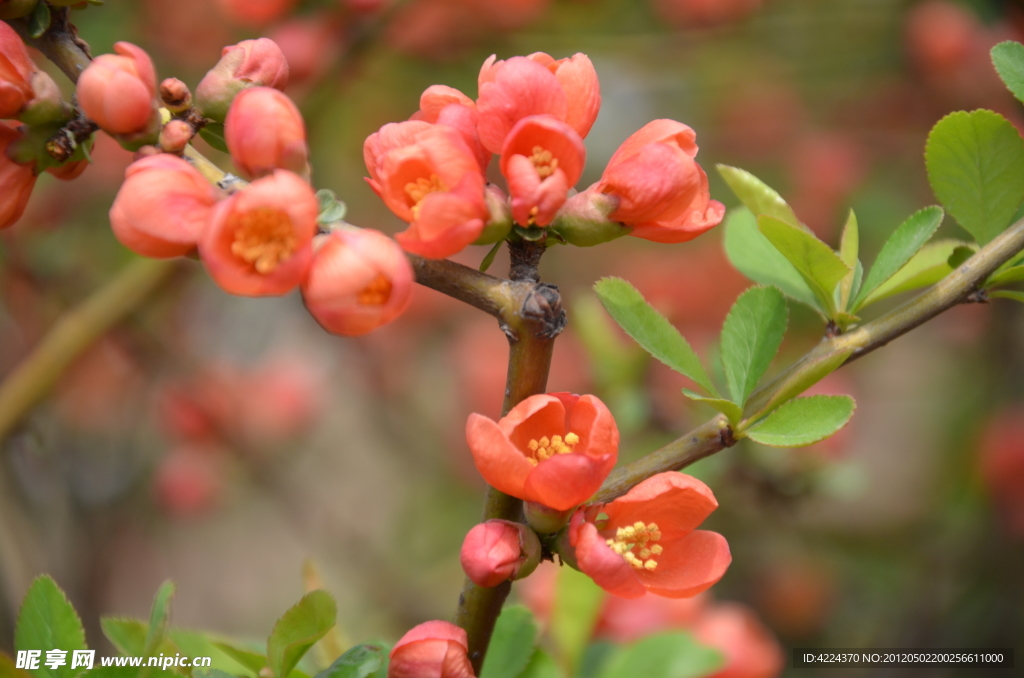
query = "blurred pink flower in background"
{"x": 189, "y": 480}
{"x": 255, "y": 13}
{"x": 826, "y": 168}
{"x": 1002, "y": 465}
{"x": 750, "y": 649}
{"x": 311, "y": 45}
{"x": 691, "y": 13}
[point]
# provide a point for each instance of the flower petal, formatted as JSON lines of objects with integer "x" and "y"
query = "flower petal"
{"x": 499, "y": 462}
{"x": 567, "y": 480}
{"x": 582, "y": 92}
{"x": 521, "y": 87}
{"x": 593, "y": 417}
{"x": 678, "y": 503}
{"x": 688, "y": 565}
{"x": 604, "y": 566}
{"x": 661, "y": 131}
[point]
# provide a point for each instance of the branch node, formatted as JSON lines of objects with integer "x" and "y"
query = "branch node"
{"x": 979, "y": 296}
{"x": 544, "y": 307}
{"x": 525, "y": 258}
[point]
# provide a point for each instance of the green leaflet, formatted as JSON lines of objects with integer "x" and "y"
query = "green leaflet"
{"x": 819, "y": 266}
{"x": 906, "y": 241}
{"x": 803, "y": 421}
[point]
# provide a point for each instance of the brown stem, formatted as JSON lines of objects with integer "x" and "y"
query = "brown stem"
{"x": 531, "y": 331}
{"x": 961, "y": 286}
{"x": 60, "y": 43}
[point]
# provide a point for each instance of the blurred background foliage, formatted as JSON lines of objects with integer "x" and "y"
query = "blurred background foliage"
{"x": 221, "y": 441}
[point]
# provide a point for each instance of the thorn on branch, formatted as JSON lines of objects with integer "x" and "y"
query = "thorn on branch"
{"x": 979, "y": 296}
{"x": 725, "y": 435}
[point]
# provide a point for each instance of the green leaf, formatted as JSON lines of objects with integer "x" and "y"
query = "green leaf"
{"x": 211, "y": 673}
{"x": 542, "y": 666}
{"x": 38, "y": 23}
{"x": 803, "y": 421}
{"x": 197, "y": 644}
{"x": 574, "y": 613}
{"x": 332, "y": 210}
{"x": 512, "y": 645}
{"x": 812, "y": 371}
{"x": 213, "y": 134}
{"x": 754, "y": 256}
{"x": 927, "y": 267}
{"x": 975, "y": 165}
{"x": 1006, "y": 294}
{"x": 298, "y": 629}
{"x": 253, "y": 661}
{"x": 727, "y": 407}
{"x": 127, "y": 635}
{"x": 159, "y": 618}
{"x": 903, "y": 244}
{"x": 489, "y": 259}
{"x": 849, "y": 251}
{"x": 959, "y": 256}
{"x": 651, "y": 329}
{"x": 819, "y": 266}
{"x": 757, "y": 196}
{"x": 1006, "y": 277}
{"x": 112, "y": 672}
{"x": 361, "y": 661}
{"x": 751, "y": 337}
{"x": 47, "y": 621}
{"x": 674, "y": 654}
{"x": 1008, "y": 58}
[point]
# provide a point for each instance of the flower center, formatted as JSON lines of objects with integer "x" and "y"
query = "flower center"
{"x": 376, "y": 293}
{"x": 420, "y": 189}
{"x": 545, "y": 162}
{"x": 264, "y": 238}
{"x": 545, "y": 448}
{"x": 635, "y": 544}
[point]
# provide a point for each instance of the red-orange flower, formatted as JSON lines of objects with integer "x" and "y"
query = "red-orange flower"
{"x": 662, "y": 191}
{"x": 542, "y": 159}
{"x": 258, "y": 240}
{"x": 434, "y": 649}
{"x": 647, "y": 540}
{"x": 250, "y": 63}
{"x": 359, "y": 280}
{"x": 554, "y": 449}
{"x": 443, "y": 105}
{"x": 428, "y": 176}
{"x": 16, "y": 71}
{"x": 536, "y": 85}
{"x": 264, "y": 132}
{"x": 118, "y": 91}
{"x": 16, "y": 181}
{"x": 750, "y": 649}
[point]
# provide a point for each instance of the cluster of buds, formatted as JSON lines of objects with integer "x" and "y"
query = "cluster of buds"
{"x": 534, "y": 112}
{"x": 255, "y": 239}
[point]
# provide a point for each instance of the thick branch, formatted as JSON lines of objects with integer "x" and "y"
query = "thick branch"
{"x": 60, "y": 44}
{"x": 956, "y": 288}
{"x": 494, "y": 296}
{"x": 76, "y": 331}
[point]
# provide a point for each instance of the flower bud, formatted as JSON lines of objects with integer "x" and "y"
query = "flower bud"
{"x": 47, "y": 104}
{"x": 500, "y": 222}
{"x": 583, "y": 220}
{"x": 434, "y": 649}
{"x": 162, "y": 207}
{"x": 359, "y": 280}
{"x": 69, "y": 170}
{"x": 175, "y": 95}
{"x": 499, "y": 550}
{"x": 16, "y": 181}
{"x": 175, "y": 136}
{"x": 118, "y": 92}
{"x": 250, "y": 63}
{"x": 16, "y": 69}
{"x": 264, "y": 132}
{"x": 15, "y": 9}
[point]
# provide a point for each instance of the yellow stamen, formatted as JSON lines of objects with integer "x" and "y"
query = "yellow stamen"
{"x": 376, "y": 293}
{"x": 634, "y": 544}
{"x": 545, "y": 448}
{"x": 545, "y": 162}
{"x": 264, "y": 238}
{"x": 420, "y": 189}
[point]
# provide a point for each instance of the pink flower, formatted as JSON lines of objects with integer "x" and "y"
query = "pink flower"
{"x": 359, "y": 280}
{"x": 264, "y": 132}
{"x": 1002, "y": 466}
{"x": 16, "y": 70}
{"x": 649, "y": 540}
{"x": 258, "y": 242}
{"x": 16, "y": 181}
{"x": 118, "y": 92}
{"x": 256, "y": 13}
{"x": 443, "y": 105}
{"x": 189, "y": 480}
{"x": 511, "y": 90}
{"x": 688, "y": 13}
{"x": 663, "y": 193}
{"x": 250, "y": 63}
{"x": 434, "y": 649}
{"x": 428, "y": 176}
{"x": 163, "y": 207}
{"x": 498, "y": 550}
{"x": 554, "y": 449}
{"x": 542, "y": 159}
{"x": 750, "y": 649}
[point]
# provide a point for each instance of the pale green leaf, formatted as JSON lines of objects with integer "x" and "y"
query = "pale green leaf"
{"x": 727, "y": 407}
{"x": 927, "y": 267}
{"x": 757, "y": 196}
{"x": 672, "y": 654}
{"x": 901, "y": 246}
{"x": 361, "y": 661}
{"x": 247, "y": 658}
{"x": 542, "y": 666}
{"x": 298, "y": 629}
{"x": 159, "y": 618}
{"x": 819, "y": 266}
{"x": 198, "y": 644}
{"x": 577, "y": 603}
{"x": 754, "y": 256}
{"x": 47, "y": 621}
{"x": 1008, "y": 58}
{"x": 651, "y": 329}
{"x": 849, "y": 251}
{"x": 812, "y": 371}
{"x": 751, "y": 337}
{"x": 1007, "y": 294}
{"x": 975, "y": 165}
{"x": 512, "y": 644}
{"x": 1006, "y": 277}
{"x": 803, "y": 421}
{"x": 127, "y": 635}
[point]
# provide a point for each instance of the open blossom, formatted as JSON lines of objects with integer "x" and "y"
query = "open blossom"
{"x": 16, "y": 70}
{"x": 359, "y": 280}
{"x": 16, "y": 181}
{"x": 264, "y": 132}
{"x": 258, "y": 242}
{"x": 118, "y": 91}
{"x": 443, "y": 105}
{"x": 536, "y": 85}
{"x": 434, "y": 649}
{"x": 649, "y": 541}
{"x": 162, "y": 207}
{"x": 542, "y": 159}
{"x": 250, "y": 63}
{"x": 428, "y": 176}
{"x": 662, "y": 191}
{"x": 554, "y": 449}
